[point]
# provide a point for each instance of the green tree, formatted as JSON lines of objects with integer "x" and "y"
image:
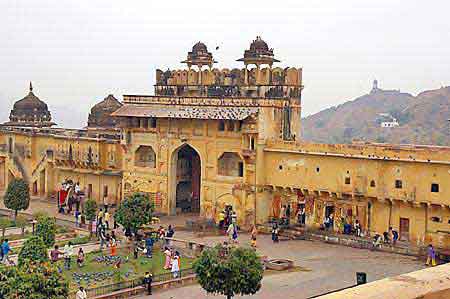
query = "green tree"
{"x": 4, "y": 224}
{"x": 134, "y": 211}
{"x": 33, "y": 281}
{"x": 90, "y": 211}
{"x": 22, "y": 222}
{"x": 17, "y": 196}
{"x": 229, "y": 271}
{"x": 46, "y": 229}
{"x": 33, "y": 250}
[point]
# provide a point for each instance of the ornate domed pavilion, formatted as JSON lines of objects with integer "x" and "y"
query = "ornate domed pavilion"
{"x": 100, "y": 116}
{"x": 30, "y": 112}
{"x": 259, "y": 53}
{"x": 199, "y": 56}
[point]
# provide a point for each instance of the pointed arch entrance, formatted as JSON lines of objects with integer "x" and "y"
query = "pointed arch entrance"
{"x": 185, "y": 179}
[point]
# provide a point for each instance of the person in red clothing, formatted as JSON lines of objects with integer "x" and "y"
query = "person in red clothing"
{"x": 54, "y": 254}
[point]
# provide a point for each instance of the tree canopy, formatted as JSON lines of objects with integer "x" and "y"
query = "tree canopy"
{"x": 229, "y": 271}
{"x": 134, "y": 211}
{"x": 17, "y": 196}
{"x": 33, "y": 250}
{"x": 90, "y": 209}
{"x": 46, "y": 229}
{"x": 32, "y": 281}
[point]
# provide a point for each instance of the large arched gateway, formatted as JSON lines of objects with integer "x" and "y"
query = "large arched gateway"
{"x": 185, "y": 180}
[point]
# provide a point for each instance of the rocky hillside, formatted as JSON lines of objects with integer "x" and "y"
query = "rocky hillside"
{"x": 385, "y": 116}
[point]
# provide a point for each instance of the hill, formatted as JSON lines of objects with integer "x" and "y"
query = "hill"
{"x": 385, "y": 116}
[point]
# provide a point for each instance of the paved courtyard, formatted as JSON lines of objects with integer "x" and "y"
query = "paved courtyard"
{"x": 329, "y": 267}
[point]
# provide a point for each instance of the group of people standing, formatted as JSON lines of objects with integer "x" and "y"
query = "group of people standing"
{"x": 67, "y": 253}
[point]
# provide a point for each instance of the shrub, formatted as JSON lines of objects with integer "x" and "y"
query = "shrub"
{"x": 35, "y": 281}
{"x": 134, "y": 211}
{"x": 46, "y": 229}
{"x": 33, "y": 250}
{"x": 90, "y": 209}
{"x": 229, "y": 271}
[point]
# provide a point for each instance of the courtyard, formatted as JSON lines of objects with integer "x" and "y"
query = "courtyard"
{"x": 324, "y": 268}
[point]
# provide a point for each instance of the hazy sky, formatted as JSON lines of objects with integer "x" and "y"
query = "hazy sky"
{"x": 77, "y": 52}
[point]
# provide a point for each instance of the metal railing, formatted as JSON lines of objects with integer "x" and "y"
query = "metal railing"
{"x": 132, "y": 283}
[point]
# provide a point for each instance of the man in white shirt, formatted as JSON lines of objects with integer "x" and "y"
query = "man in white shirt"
{"x": 81, "y": 294}
{"x": 68, "y": 252}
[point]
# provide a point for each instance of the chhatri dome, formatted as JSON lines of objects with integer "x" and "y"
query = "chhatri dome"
{"x": 199, "y": 56}
{"x": 259, "y": 53}
{"x": 100, "y": 116}
{"x": 30, "y": 112}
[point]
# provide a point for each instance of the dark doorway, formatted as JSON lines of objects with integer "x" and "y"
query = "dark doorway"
{"x": 188, "y": 178}
{"x": 404, "y": 229}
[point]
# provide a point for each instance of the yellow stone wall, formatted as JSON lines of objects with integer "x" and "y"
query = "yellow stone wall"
{"x": 42, "y": 158}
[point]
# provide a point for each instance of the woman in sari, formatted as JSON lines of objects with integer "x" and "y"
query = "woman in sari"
{"x": 168, "y": 255}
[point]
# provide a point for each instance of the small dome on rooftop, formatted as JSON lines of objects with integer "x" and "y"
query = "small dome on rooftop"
{"x": 199, "y": 47}
{"x": 259, "y": 45}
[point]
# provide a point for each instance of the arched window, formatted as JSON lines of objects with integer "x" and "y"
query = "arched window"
{"x": 372, "y": 183}
{"x": 145, "y": 157}
{"x": 230, "y": 164}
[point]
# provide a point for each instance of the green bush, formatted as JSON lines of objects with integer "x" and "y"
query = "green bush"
{"x": 33, "y": 250}
{"x": 90, "y": 209}
{"x": 35, "y": 281}
{"x": 46, "y": 229}
{"x": 17, "y": 196}
{"x": 134, "y": 211}
{"x": 229, "y": 271}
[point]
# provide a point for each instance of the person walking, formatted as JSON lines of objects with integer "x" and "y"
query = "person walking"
{"x": 113, "y": 246}
{"x": 77, "y": 215}
{"x": 5, "y": 250}
{"x": 107, "y": 219}
{"x": 170, "y": 233}
{"x": 288, "y": 214}
{"x": 221, "y": 219}
{"x": 168, "y": 255}
{"x": 275, "y": 232}
{"x": 254, "y": 233}
{"x": 230, "y": 232}
{"x": 431, "y": 256}
{"x": 80, "y": 257}
{"x": 68, "y": 252}
{"x": 175, "y": 265}
{"x": 54, "y": 254}
{"x": 148, "y": 279}
{"x": 102, "y": 236}
{"x": 149, "y": 245}
{"x": 81, "y": 294}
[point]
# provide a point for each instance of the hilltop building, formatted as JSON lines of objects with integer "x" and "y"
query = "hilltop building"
{"x": 210, "y": 138}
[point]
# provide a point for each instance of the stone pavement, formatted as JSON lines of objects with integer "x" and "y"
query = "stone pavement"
{"x": 330, "y": 267}
{"x": 43, "y": 206}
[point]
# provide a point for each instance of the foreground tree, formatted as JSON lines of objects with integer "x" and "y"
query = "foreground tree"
{"x": 229, "y": 271}
{"x": 32, "y": 281}
{"x": 46, "y": 229}
{"x": 17, "y": 196}
{"x": 34, "y": 250}
{"x": 134, "y": 212}
{"x": 90, "y": 211}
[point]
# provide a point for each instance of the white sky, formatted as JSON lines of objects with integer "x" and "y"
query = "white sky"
{"x": 78, "y": 52}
